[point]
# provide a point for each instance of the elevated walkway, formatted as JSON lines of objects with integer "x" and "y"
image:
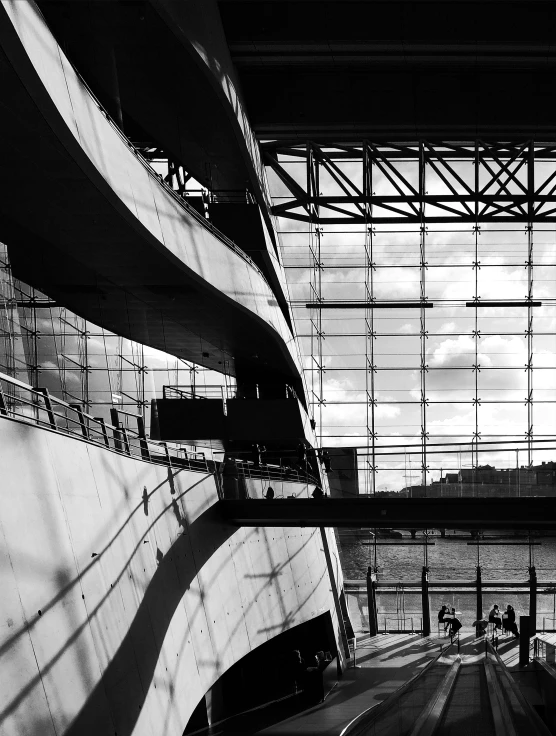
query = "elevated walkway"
{"x": 395, "y": 513}
{"x": 107, "y": 237}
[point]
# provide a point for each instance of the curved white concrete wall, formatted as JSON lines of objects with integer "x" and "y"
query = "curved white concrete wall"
{"x": 76, "y": 119}
{"x": 123, "y": 597}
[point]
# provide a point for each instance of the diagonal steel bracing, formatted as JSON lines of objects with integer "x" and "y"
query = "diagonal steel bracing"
{"x": 438, "y": 182}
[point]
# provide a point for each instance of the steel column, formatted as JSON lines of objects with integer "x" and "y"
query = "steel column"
{"x": 371, "y": 602}
{"x": 425, "y": 602}
{"x": 532, "y": 601}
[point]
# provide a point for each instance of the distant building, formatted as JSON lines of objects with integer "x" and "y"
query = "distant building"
{"x": 486, "y": 480}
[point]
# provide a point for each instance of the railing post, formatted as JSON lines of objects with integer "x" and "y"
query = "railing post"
{"x": 102, "y": 423}
{"x": 3, "y": 404}
{"x": 79, "y": 411}
{"x": 479, "y": 610}
{"x": 425, "y": 601}
{"x": 167, "y": 454}
{"x": 143, "y": 444}
{"x": 127, "y": 448}
{"x": 47, "y": 405}
{"x": 532, "y": 601}
{"x": 371, "y": 602}
{"x": 115, "y": 420}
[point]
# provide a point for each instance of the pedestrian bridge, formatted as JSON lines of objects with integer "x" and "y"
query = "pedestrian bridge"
{"x": 535, "y": 513}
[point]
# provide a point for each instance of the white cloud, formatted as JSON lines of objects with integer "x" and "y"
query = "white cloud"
{"x": 447, "y": 327}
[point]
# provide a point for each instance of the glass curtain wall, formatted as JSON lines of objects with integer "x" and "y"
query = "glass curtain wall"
{"x": 446, "y": 381}
{"x": 45, "y": 345}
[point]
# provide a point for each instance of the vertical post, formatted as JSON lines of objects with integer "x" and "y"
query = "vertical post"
{"x": 167, "y": 454}
{"x": 143, "y": 444}
{"x": 524, "y": 640}
{"x": 335, "y": 595}
{"x": 529, "y": 333}
{"x": 81, "y": 419}
{"x": 3, "y": 405}
{"x": 532, "y": 601}
{"x": 47, "y": 405}
{"x": 425, "y": 601}
{"x": 102, "y": 423}
{"x": 115, "y": 419}
{"x": 123, "y": 432}
{"x": 371, "y": 601}
{"x": 479, "y": 597}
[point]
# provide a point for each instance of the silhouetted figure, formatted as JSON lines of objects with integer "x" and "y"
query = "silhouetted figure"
{"x": 298, "y": 670}
{"x": 494, "y": 617}
{"x": 455, "y": 623}
{"x": 327, "y": 462}
{"x": 256, "y": 454}
{"x": 508, "y": 619}
{"x": 301, "y": 454}
{"x": 443, "y": 611}
{"x": 317, "y": 493}
{"x": 314, "y": 684}
{"x": 269, "y": 495}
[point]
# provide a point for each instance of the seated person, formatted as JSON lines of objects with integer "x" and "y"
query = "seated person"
{"x": 441, "y": 614}
{"x": 508, "y": 618}
{"x": 455, "y": 623}
{"x": 494, "y": 617}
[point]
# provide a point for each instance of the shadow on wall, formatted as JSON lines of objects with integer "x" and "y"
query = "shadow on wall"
{"x": 66, "y": 586}
{"x": 139, "y": 652}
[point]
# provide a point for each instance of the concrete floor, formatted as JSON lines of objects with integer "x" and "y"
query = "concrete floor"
{"x": 384, "y": 664}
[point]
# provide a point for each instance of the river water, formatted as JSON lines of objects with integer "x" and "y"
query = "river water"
{"x": 451, "y": 559}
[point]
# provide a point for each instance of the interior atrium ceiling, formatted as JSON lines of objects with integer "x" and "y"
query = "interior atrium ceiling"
{"x": 404, "y": 69}
{"x": 422, "y": 284}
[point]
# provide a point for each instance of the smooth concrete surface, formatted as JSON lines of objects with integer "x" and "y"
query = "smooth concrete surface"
{"x": 124, "y": 595}
{"x": 97, "y": 231}
{"x": 177, "y": 90}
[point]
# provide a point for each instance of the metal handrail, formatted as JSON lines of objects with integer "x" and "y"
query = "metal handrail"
{"x": 189, "y": 391}
{"x": 508, "y": 684}
{"x": 366, "y": 718}
{"x": 248, "y": 469}
{"x": 403, "y": 619}
{"x": 55, "y": 414}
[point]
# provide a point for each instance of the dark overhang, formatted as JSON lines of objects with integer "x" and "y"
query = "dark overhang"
{"x": 394, "y": 69}
{"x": 536, "y": 513}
